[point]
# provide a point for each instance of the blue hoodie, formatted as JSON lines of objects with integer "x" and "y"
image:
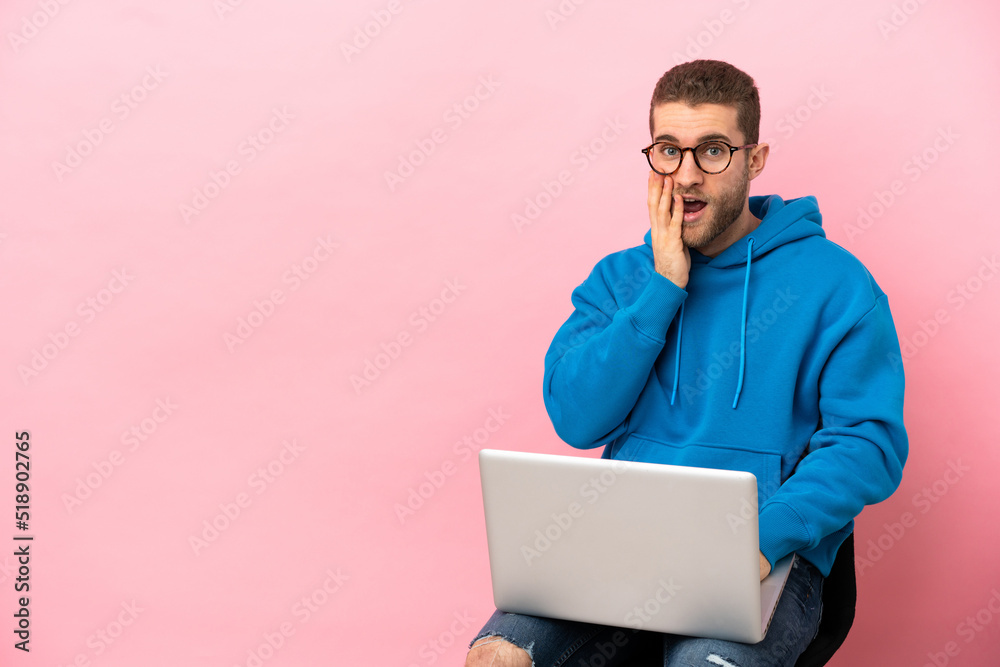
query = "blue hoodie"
{"x": 775, "y": 359}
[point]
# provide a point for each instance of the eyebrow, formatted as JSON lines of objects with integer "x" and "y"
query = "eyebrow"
{"x": 702, "y": 139}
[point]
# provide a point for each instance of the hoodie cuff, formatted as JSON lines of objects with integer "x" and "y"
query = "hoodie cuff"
{"x": 782, "y": 531}
{"x": 655, "y": 308}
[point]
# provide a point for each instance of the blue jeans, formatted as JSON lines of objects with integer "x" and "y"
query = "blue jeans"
{"x": 557, "y": 643}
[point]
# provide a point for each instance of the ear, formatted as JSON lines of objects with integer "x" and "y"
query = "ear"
{"x": 757, "y": 158}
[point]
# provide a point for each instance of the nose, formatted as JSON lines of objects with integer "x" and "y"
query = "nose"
{"x": 688, "y": 173}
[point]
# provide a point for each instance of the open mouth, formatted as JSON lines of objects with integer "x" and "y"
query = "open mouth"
{"x": 693, "y": 208}
{"x": 693, "y": 205}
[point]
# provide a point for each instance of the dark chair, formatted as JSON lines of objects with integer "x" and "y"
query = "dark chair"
{"x": 840, "y": 595}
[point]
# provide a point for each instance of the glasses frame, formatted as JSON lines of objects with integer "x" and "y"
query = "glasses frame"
{"x": 694, "y": 154}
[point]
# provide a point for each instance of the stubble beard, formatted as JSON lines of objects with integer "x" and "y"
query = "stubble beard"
{"x": 726, "y": 210}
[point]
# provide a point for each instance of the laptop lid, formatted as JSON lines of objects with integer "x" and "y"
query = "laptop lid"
{"x": 629, "y": 544}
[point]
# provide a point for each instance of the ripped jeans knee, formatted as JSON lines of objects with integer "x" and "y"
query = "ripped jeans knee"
{"x": 489, "y": 638}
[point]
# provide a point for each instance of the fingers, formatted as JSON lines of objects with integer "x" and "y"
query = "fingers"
{"x": 655, "y": 190}
{"x": 666, "y": 210}
{"x": 659, "y": 204}
{"x": 677, "y": 216}
{"x": 663, "y": 214}
{"x": 666, "y": 219}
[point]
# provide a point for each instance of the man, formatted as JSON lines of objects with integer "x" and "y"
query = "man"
{"x": 738, "y": 337}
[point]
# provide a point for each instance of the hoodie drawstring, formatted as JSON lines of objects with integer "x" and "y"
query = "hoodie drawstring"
{"x": 743, "y": 336}
{"x": 677, "y": 355}
{"x": 743, "y": 324}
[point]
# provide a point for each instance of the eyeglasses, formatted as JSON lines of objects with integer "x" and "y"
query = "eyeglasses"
{"x": 712, "y": 157}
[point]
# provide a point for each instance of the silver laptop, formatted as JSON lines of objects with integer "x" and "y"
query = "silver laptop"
{"x": 628, "y": 544}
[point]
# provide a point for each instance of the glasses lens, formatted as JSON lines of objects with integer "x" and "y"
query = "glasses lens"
{"x": 713, "y": 156}
{"x": 664, "y": 157}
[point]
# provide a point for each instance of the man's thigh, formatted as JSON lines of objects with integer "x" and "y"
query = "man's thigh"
{"x": 557, "y": 643}
{"x": 794, "y": 625}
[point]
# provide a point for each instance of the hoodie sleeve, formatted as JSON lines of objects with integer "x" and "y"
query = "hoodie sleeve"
{"x": 856, "y": 458}
{"x": 601, "y": 357}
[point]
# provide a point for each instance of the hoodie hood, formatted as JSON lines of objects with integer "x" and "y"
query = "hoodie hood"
{"x": 781, "y": 222}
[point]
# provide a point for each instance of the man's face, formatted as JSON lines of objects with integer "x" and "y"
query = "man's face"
{"x": 725, "y": 194}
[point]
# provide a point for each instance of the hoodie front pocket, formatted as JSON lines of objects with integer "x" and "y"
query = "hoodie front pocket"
{"x": 764, "y": 464}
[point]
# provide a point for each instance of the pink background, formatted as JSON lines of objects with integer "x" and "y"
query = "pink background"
{"x": 851, "y": 91}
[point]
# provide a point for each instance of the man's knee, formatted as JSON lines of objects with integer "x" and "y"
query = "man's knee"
{"x": 496, "y": 652}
